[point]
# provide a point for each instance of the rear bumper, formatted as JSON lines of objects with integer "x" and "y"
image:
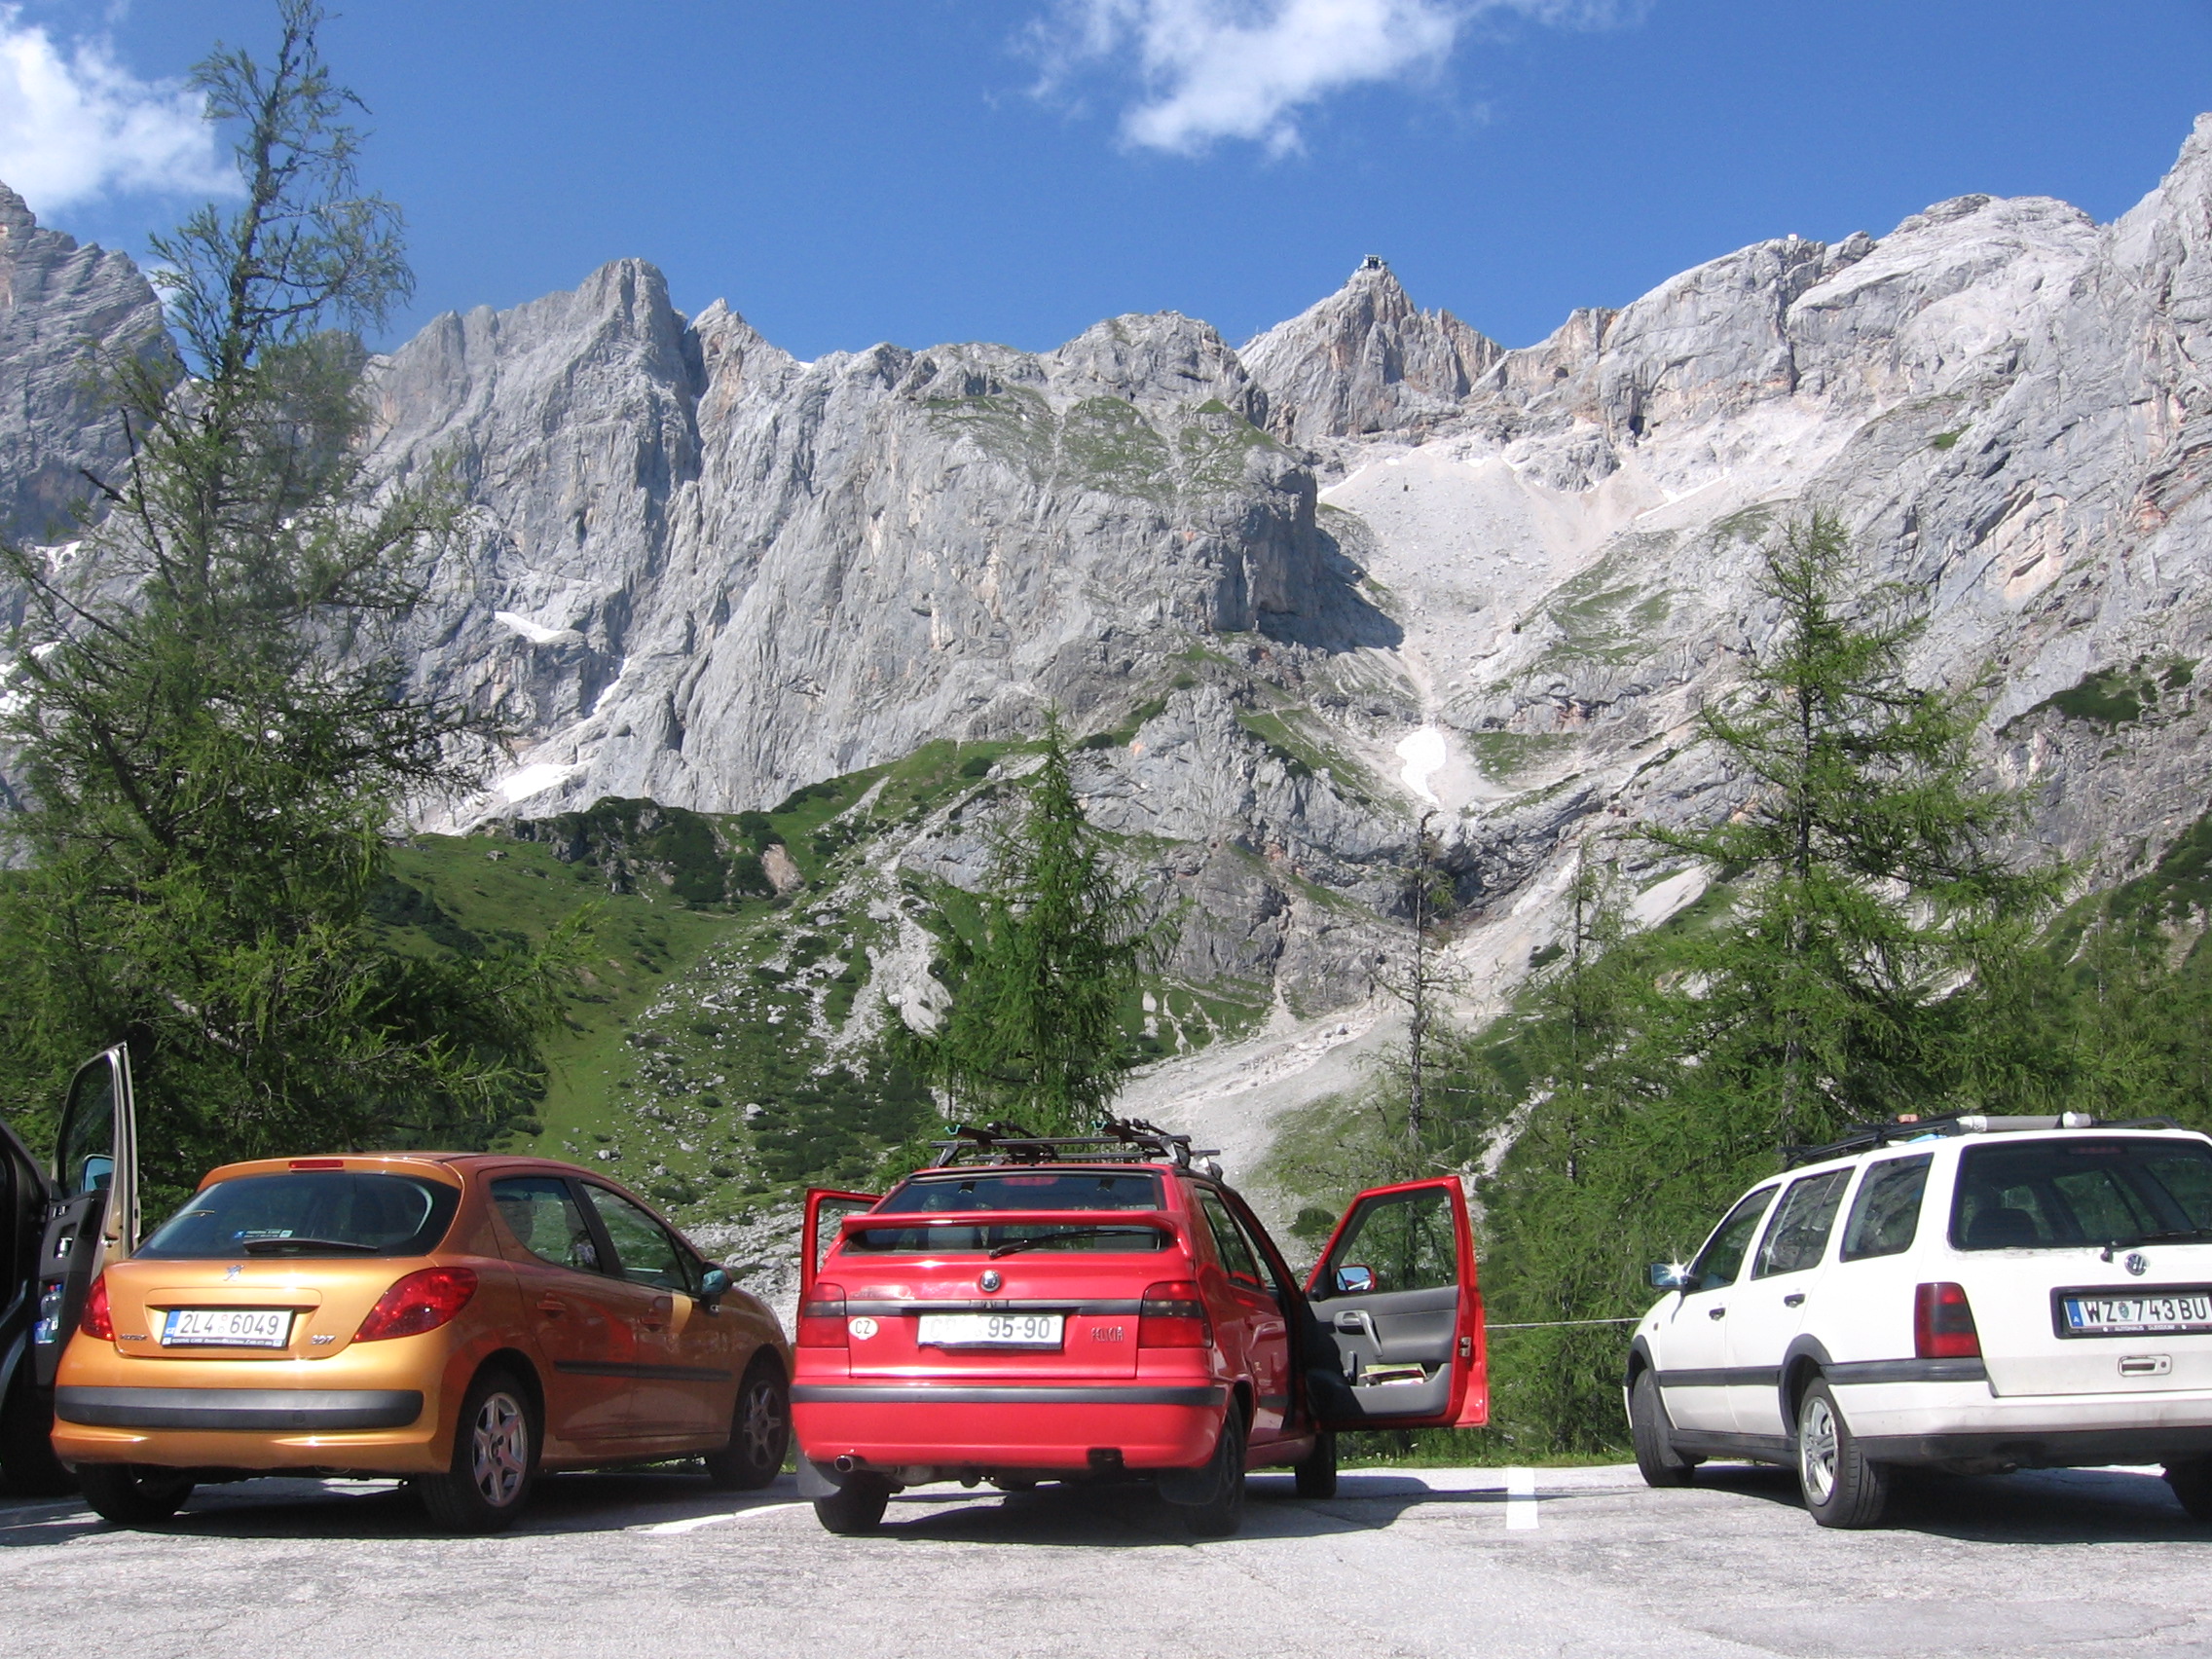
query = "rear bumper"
{"x": 1937, "y": 1422}
{"x": 239, "y": 1407}
{"x": 1145, "y": 1426}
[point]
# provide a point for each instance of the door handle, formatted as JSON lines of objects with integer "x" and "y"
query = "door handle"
{"x": 657, "y": 1316}
{"x": 552, "y": 1305}
{"x": 1795, "y": 1298}
{"x": 1716, "y": 1313}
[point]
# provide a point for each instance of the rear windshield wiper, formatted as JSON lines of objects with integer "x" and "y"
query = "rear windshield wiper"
{"x": 273, "y": 1246}
{"x": 2163, "y": 1235}
{"x": 1059, "y": 1233}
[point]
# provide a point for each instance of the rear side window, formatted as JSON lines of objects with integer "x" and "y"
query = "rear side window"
{"x": 2087, "y": 1190}
{"x": 322, "y": 1212}
{"x": 1026, "y": 1190}
{"x": 1885, "y": 1217}
{"x": 1229, "y": 1243}
{"x": 542, "y": 1214}
{"x": 1799, "y": 1233}
{"x": 1722, "y": 1257}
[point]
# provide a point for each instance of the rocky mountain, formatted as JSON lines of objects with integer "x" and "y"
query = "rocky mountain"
{"x": 1368, "y": 565}
{"x": 63, "y": 309}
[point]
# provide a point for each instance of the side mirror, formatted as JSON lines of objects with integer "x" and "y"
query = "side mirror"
{"x": 1670, "y": 1276}
{"x": 1353, "y": 1280}
{"x": 716, "y": 1284}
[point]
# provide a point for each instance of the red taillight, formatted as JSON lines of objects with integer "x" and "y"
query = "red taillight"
{"x": 97, "y": 1323}
{"x": 317, "y": 1163}
{"x": 420, "y": 1302}
{"x": 1942, "y": 1324}
{"x": 1172, "y": 1314}
{"x": 821, "y": 1317}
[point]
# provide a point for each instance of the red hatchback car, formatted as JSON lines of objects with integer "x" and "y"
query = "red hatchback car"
{"x": 1054, "y": 1308}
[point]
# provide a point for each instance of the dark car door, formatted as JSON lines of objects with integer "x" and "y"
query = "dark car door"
{"x": 26, "y": 1457}
{"x": 95, "y": 1219}
{"x": 1394, "y": 1298}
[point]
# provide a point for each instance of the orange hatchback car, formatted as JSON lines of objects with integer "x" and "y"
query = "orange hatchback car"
{"x": 463, "y": 1320}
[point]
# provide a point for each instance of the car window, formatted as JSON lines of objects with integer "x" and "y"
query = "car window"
{"x": 320, "y": 1212}
{"x": 1235, "y": 1254}
{"x": 2087, "y": 1190}
{"x": 1026, "y": 1190}
{"x": 1406, "y": 1240}
{"x": 643, "y": 1252}
{"x": 1259, "y": 1253}
{"x": 543, "y": 1215}
{"x": 1886, "y": 1214}
{"x": 1722, "y": 1257}
{"x": 1799, "y": 1235}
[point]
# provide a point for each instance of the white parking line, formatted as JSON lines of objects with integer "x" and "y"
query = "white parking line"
{"x": 1520, "y": 1500}
{"x": 666, "y": 1528}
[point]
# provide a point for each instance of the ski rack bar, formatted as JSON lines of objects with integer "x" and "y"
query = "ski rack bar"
{"x": 1129, "y": 1140}
{"x": 1865, "y": 1137}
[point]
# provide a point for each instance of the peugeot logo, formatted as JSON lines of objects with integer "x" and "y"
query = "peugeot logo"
{"x": 2137, "y": 1263}
{"x": 991, "y": 1280}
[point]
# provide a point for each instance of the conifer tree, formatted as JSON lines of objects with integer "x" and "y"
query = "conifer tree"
{"x": 208, "y": 713}
{"x": 1043, "y": 982}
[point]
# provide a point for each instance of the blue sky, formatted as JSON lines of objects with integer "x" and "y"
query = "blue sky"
{"x": 844, "y": 171}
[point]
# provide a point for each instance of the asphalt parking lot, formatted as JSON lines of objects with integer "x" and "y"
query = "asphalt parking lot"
{"x": 1431, "y": 1562}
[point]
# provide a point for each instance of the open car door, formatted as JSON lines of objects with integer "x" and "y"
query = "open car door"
{"x": 1395, "y": 1300}
{"x": 825, "y": 1209}
{"x": 95, "y": 1219}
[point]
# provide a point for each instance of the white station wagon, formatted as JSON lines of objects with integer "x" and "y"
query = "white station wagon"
{"x": 1975, "y": 1294}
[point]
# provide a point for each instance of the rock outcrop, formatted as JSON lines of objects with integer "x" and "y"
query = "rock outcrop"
{"x": 63, "y": 311}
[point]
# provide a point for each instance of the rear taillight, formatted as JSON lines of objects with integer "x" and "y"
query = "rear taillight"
{"x": 421, "y": 1301}
{"x": 821, "y": 1317}
{"x": 1173, "y": 1315}
{"x": 97, "y": 1322}
{"x": 1942, "y": 1323}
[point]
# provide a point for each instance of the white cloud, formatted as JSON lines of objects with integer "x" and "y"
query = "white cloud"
{"x": 75, "y": 125}
{"x": 1214, "y": 70}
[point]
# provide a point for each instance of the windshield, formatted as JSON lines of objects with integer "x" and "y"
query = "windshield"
{"x": 2052, "y": 1193}
{"x": 325, "y": 1212}
{"x": 1026, "y": 1190}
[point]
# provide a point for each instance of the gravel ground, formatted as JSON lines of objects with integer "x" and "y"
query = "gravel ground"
{"x": 1413, "y": 1562}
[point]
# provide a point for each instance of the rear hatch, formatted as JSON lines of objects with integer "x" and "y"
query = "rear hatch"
{"x": 2087, "y": 1261}
{"x": 1007, "y": 1275}
{"x": 281, "y": 1264}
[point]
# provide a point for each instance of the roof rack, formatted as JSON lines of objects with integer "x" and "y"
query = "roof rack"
{"x": 1129, "y": 1140}
{"x": 1865, "y": 1137}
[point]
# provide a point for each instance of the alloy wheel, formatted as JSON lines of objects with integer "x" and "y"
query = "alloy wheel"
{"x": 762, "y": 1428}
{"x": 1817, "y": 1449}
{"x": 499, "y": 1457}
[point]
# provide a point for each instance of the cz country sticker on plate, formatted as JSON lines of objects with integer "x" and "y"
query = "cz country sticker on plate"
{"x": 227, "y": 1327}
{"x": 2149, "y": 1312}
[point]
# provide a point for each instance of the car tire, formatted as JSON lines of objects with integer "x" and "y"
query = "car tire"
{"x": 1317, "y": 1473}
{"x": 855, "y": 1508}
{"x": 2191, "y": 1481}
{"x": 1223, "y": 1511}
{"x": 495, "y": 1459}
{"x": 1841, "y": 1488}
{"x": 760, "y": 1432}
{"x": 27, "y": 1463}
{"x": 1652, "y": 1436}
{"x": 134, "y": 1494}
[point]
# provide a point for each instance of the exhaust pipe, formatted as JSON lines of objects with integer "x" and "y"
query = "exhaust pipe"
{"x": 846, "y": 1464}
